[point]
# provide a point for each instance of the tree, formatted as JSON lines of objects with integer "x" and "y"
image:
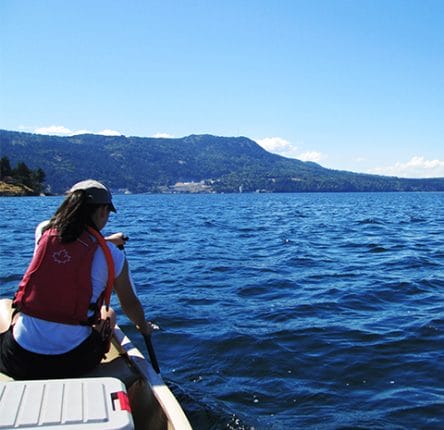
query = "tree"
{"x": 22, "y": 174}
{"x": 39, "y": 175}
{"x": 5, "y": 168}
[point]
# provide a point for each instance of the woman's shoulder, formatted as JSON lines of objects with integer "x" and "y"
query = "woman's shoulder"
{"x": 39, "y": 229}
{"x": 39, "y": 232}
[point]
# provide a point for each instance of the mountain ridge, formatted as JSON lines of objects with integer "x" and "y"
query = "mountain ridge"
{"x": 152, "y": 164}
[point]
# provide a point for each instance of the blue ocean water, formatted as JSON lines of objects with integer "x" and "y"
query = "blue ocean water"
{"x": 282, "y": 311}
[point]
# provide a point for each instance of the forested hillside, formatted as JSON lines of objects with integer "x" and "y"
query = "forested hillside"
{"x": 220, "y": 164}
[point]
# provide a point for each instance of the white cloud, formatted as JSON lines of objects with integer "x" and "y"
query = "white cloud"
{"x": 108, "y": 132}
{"x": 60, "y": 130}
{"x": 164, "y": 135}
{"x": 416, "y": 167}
{"x": 278, "y": 145}
{"x": 311, "y": 156}
{"x": 76, "y": 132}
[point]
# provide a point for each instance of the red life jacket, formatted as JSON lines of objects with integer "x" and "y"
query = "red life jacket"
{"x": 57, "y": 285}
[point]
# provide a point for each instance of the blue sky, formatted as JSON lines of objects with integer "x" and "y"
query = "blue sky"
{"x": 353, "y": 85}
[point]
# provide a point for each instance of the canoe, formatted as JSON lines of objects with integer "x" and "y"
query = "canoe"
{"x": 143, "y": 396}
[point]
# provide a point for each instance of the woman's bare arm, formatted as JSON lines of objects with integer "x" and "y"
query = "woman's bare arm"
{"x": 130, "y": 303}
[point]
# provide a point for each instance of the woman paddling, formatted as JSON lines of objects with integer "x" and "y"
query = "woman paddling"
{"x": 59, "y": 324}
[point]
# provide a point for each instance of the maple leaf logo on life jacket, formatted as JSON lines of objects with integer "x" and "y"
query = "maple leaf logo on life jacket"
{"x": 61, "y": 257}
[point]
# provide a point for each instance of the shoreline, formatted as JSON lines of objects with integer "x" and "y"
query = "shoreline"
{"x": 16, "y": 190}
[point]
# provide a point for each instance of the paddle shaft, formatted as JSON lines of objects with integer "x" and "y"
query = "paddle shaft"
{"x": 152, "y": 354}
{"x": 146, "y": 337}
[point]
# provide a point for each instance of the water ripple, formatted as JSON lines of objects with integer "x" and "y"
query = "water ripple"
{"x": 317, "y": 311}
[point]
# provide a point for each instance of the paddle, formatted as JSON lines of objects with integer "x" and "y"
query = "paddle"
{"x": 152, "y": 354}
{"x": 146, "y": 337}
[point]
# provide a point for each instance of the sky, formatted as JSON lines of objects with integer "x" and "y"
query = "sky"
{"x": 352, "y": 85}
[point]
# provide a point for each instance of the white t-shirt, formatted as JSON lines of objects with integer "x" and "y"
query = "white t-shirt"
{"x": 47, "y": 337}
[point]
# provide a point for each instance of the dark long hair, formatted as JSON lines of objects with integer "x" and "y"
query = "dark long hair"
{"x": 72, "y": 216}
